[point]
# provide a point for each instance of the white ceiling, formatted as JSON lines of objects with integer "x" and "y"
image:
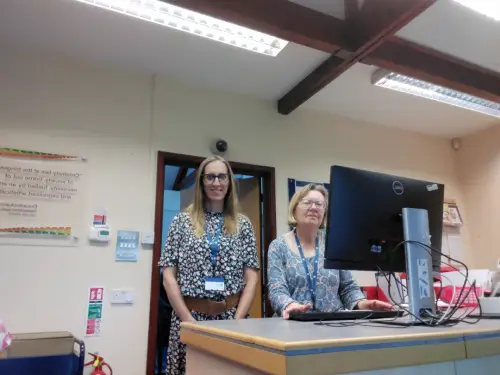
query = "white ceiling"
{"x": 79, "y": 30}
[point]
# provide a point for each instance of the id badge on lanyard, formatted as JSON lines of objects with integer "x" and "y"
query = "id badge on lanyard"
{"x": 215, "y": 283}
{"x": 311, "y": 280}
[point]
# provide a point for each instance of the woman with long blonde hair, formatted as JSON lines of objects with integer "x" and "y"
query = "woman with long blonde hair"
{"x": 209, "y": 261}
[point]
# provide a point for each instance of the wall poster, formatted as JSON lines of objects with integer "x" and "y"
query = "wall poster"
{"x": 40, "y": 197}
{"x": 127, "y": 246}
{"x": 93, "y": 316}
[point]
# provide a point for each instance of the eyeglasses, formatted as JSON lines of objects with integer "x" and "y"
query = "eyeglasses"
{"x": 210, "y": 178}
{"x": 308, "y": 204}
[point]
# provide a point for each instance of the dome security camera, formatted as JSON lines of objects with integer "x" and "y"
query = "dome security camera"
{"x": 220, "y": 146}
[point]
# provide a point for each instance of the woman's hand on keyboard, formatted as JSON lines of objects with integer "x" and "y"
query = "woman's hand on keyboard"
{"x": 374, "y": 305}
{"x": 295, "y": 307}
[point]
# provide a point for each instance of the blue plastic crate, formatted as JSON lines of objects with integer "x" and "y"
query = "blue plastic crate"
{"x": 65, "y": 364}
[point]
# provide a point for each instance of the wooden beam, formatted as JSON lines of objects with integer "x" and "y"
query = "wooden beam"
{"x": 351, "y": 8}
{"x": 188, "y": 180}
{"x": 179, "y": 179}
{"x": 307, "y": 27}
{"x": 435, "y": 67}
{"x": 371, "y": 26}
{"x": 378, "y": 20}
{"x": 280, "y": 18}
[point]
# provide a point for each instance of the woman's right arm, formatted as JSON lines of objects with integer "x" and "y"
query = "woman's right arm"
{"x": 279, "y": 294}
{"x": 174, "y": 294}
{"x": 169, "y": 260}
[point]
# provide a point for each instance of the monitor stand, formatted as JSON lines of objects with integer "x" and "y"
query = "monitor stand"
{"x": 419, "y": 276}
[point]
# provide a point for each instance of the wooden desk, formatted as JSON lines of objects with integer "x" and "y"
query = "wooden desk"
{"x": 276, "y": 346}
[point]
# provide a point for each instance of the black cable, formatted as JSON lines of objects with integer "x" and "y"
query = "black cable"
{"x": 435, "y": 321}
{"x": 387, "y": 277}
{"x": 438, "y": 296}
{"x": 431, "y": 323}
{"x": 461, "y": 298}
{"x": 427, "y": 248}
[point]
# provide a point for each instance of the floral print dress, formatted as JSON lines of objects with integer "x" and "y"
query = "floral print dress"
{"x": 287, "y": 281}
{"x": 191, "y": 256}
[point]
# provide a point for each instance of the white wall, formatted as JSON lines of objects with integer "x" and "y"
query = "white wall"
{"x": 478, "y": 166}
{"x": 119, "y": 120}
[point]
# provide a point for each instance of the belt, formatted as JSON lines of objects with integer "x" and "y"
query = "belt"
{"x": 211, "y": 307}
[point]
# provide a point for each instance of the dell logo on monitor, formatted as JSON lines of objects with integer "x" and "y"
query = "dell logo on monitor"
{"x": 398, "y": 187}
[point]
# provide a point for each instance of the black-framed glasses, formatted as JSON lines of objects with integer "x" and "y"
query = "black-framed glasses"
{"x": 211, "y": 177}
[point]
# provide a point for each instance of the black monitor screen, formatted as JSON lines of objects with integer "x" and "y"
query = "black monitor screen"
{"x": 365, "y": 219}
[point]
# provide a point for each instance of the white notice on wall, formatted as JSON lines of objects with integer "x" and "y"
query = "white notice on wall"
{"x": 40, "y": 200}
{"x": 93, "y": 316}
{"x": 423, "y": 278}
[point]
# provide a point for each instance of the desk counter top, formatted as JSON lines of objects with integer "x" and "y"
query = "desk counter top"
{"x": 380, "y": 346}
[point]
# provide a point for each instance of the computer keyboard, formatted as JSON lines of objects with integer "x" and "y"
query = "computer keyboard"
{"x": 316, "y": 316}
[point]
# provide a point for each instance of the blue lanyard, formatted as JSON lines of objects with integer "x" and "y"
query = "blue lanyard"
{"x": 213, "y": 243}
{"x": 311, "y": 281}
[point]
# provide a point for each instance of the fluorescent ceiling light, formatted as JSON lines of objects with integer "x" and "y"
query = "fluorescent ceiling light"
{"x": 199, "y": 24}
{"x": 490, "y": 8}
{"x": 409, "y": 85}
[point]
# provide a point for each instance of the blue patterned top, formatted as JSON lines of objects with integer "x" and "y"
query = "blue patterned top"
{"x": 287, "y": 282}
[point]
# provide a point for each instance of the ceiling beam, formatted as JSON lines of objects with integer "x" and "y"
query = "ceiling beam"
{"x": 280, "y": 18}
{"x": 179, "y": 179}
{"x": 374, "y": 23}
{"x": 351, "y": 8}
{"x": 307, "y": 27}
{"x": 189, "y": 180}
{"x": 422, "y": 63}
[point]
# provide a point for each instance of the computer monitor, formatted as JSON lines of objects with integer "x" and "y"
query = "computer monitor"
{"x": 365, "y": 219}
{"x": 379, "y": 222}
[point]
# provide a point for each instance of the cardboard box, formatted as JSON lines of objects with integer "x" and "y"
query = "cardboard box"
{"x": 41, "y": 344}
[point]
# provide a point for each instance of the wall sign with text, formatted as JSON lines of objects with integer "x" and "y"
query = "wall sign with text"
{"x": 40, "y": 197}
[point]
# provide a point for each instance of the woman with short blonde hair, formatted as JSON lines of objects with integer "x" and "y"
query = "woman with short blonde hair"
{"x": 297, "y": 281}
{"x": 210, "y": 259}
{"x": 299, "y": 196}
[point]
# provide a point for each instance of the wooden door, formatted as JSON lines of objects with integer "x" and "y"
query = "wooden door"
{"x": 249, "y": 196}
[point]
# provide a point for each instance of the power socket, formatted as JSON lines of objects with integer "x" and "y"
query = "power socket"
{"x": 122, "y": 296}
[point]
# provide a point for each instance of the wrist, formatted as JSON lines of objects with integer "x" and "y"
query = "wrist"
{"x": 360, "y": 305}
{"x": 188, "y": 318}
{"x": 239, "y": 314}
{"x": 287, "y": 305}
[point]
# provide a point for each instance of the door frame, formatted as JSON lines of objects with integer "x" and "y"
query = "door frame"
{"x": 269, "y": 216}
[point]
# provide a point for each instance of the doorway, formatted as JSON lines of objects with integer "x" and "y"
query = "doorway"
{"x": 175, "y": 177}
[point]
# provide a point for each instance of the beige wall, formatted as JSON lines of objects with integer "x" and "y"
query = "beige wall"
{"x": 118, "y": 120}
{"x": 478, "y": 166}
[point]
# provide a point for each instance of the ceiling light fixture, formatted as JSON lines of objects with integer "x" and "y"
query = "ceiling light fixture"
{"x": 489, "y": 8}
{"x": 185, "y": 20}
{"x": 409, "y": 85}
